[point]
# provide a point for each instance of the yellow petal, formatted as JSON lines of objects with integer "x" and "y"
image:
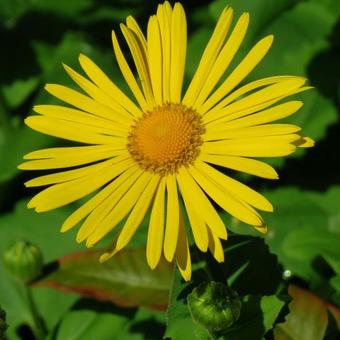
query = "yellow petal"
{"x": 98, "y": 199}
{"x": 198, "y": 226}
{"x": 68, "y": 175}
{"x": 85, "y": 103}
{"x": 273, "y": 146}
{"x": 132, "y": 24}
{"x": 227, "y": 202}
{"x": 235, "y": 188}
{"x": 202, "y": 205}
{"x": 107, "y": 86}
{"x": 137, "y": 214}
{"x": 156, "y": 227}
{"x": 122, "y": 208}
{"x": 224, "y": 58}
{"x": 55, "y": 158}
{"x": 178, "y": 52}
{"x": 127, "y": 74}
{"x": 209, "y": 56}
{"x": 305, "y": 142}
{"x": 59, "y": 195}
{"x": 247, "y": 165}
{"x": 172, "y": 218}
{"x": 256, "y": 101}
{"x": 102, "y": 214}
{"x": 74, "y": 131}
{"x": 140, "y": 59}
{"x": 102, "y": 125}
{"x": 97, "y": 94}
{"x": 255, "y": 55}
{"x": 215, "y": 133}
{"x": 155, "y": 59}
{"x": 215, "y": 247}
{"x": 164, "y": 21}
{"x": 183, "y": 258}
{"x": 240, "y": 92}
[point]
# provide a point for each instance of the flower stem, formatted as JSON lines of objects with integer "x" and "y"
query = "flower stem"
{"x": 39, "y": 330}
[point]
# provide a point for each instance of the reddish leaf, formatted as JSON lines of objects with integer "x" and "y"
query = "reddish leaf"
{"x": 308, "y": 317}
{"x": 126, "y": 279}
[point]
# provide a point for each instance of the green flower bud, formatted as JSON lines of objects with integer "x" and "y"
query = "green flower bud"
{"x": 214, "y": 306}
{"x": 3, "y": 324}
{"x": 23, "y": 260}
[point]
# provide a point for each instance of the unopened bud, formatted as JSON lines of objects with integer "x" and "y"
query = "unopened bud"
{"x": 3, "y": 325}
{"x": 214, "y": 306}
{"x": 23, "y": 260}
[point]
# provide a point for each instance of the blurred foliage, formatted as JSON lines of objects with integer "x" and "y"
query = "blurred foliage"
{"x": 288, "y": 280}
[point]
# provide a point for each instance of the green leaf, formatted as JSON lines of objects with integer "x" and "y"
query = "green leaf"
{"x": 258, "y": 315}
{"x": 125, "y": 280}
{"x": 18, "y": 91}
{"x": 301, "y": 231}
{"x": 93, "y": 320}
{"x": 307, "y": 319}
{"x": 42, "y": 230}
{"x": 18, "y": 140}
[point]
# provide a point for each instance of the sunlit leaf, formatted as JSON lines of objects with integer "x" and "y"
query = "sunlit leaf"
{"x": 307, "y": 318}
{"x": 126, "y": 279}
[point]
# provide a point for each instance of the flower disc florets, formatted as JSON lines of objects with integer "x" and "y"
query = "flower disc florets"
{"x": 166, "y": 138}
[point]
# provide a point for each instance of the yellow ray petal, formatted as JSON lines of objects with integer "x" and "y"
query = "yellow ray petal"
{"x": 198, "y": 226}
{"x": 224, "y": 58}
{"x": 252, "y": 102}
{"x": 273, "y": 146}
{"x": 164, "y": 21}
{"x": 240, "y": 92}
{"x": 132, "y": 24}
{"x": 71, "y": 130}
{"x": 140, "y": 59}
{"x": 172, "y": 218}
{"x": 84, "y": 103}
{"x": 107, "y": 86}
{"x": 218, "y": 132}
{"x": 209, "y": 56}
{"x": 178, "y": 52}
{"x": 247, "y": 165}
{"x": 68, "y": 175}
{"x": 202, "y": 206}
{"x": 215, "y": 247}
{"x": 101, "y": 215}
{"x": 127, "y": 74}
{"x": 227, "y": 202}
{"x": 235, "y": 188}
{"x": 138, "y": 213}
{"x": 59, "y": 195}
{"x": 156, "y": 227}
{"x": 154, "y": 51}
{"x": 97, "y": 94}
{"x": 305, "y": 142}
{"x": 73, "y": 115}
{"x": 249, "y": 62}
{"x": 86, "y": 209}
{"x": 123, "y": 207}
{"x": 183, "y": 258}
{"x": 55, "y": 158}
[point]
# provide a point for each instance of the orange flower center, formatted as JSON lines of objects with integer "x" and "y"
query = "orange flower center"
{"x": 166, "y": 138}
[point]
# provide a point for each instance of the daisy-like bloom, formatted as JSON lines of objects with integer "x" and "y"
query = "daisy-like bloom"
{"x": 158, "y": 150}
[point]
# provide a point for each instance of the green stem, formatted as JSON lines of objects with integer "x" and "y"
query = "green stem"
{"x": 39, "y": 330}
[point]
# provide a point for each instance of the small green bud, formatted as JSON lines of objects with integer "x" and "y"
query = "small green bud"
{"x": 3, "y": 324}
{"x": 214, "y": 306}
{"x": 23, "y": 260}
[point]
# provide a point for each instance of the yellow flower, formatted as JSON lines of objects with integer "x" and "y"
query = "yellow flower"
{"x": 160, "y": 148}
